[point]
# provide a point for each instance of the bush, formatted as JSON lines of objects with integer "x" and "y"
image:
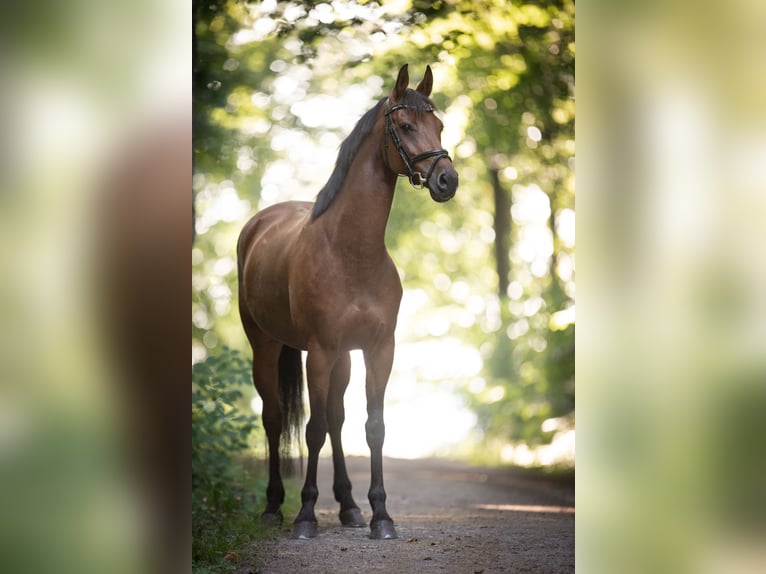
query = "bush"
{"x": 223, "y": 492}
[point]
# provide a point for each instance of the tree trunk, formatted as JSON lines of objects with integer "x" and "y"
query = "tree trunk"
{"x": 502, "y": 225}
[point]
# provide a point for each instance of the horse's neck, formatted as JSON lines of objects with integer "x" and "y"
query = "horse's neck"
{"x": 359, "y": 215}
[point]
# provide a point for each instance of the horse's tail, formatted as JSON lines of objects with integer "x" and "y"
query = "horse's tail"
{"x": 291, "y": 400}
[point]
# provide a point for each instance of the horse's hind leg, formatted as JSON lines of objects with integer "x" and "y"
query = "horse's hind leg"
{"x": 319, "y": 366}
{"x": 349, "y": 515}
{"x": 265, "y": 363}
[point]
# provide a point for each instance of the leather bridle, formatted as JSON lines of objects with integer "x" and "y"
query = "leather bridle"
{"x": 416, "y": 178}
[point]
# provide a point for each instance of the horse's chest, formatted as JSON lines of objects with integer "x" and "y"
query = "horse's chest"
{"x": 362, "y": 323}
{"x": 367, "y": 302}
{"x": 355, "y": 313}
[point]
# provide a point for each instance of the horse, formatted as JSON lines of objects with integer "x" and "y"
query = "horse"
{"x": 317, "y": 277}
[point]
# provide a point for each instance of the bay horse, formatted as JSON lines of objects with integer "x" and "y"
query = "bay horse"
{"x": 318, "y": 278}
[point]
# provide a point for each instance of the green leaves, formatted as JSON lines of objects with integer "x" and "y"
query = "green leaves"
{"x": 223, "y": 492}
{"x": 220, "y": 430}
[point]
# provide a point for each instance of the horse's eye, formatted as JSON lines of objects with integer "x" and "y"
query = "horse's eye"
{"x": 406, "y": 128}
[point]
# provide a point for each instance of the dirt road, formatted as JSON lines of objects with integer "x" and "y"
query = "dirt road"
{"x": 450, "y": 517}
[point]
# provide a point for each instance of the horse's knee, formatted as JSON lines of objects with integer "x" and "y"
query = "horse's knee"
{"x": 376, "y": 431}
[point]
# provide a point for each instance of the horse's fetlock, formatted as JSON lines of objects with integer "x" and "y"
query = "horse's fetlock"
{"x": 376, "y": 494}
{"x": 275, "y": 492}
{"x": 309, "y": 494}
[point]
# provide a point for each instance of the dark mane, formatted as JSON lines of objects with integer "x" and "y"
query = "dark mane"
{"x": 346, "y": 155}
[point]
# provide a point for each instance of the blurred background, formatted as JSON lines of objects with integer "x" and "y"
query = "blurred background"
{"x": 95, "y": 141}
{"x": 485, "y": 336}
{"x": 671, "y": 355}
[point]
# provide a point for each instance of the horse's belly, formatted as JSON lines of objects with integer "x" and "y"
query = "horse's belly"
{"x": 270, "y": 319}
{"x": 268, "y": 300}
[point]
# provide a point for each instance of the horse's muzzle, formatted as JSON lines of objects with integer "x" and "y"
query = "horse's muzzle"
{"x": 443, "y": 184}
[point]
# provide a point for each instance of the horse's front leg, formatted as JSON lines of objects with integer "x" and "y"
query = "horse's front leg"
{"x": 378, "y": 363}
{"x": 319, "y": 365}
{"x": 349, "y": 515}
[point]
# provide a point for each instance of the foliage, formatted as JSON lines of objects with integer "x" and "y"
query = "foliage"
{"x": 513, "y": 71}
{"x": 223, "y": 499}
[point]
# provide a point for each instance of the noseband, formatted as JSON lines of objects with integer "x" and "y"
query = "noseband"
{"x": 416, "y": 178}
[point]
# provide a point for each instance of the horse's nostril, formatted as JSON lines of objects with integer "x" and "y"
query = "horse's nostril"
{"x": 442, "y": 181}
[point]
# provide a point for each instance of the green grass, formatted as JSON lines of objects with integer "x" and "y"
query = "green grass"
{"x": 232, "y": 527}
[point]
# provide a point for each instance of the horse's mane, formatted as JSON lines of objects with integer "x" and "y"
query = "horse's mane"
{"x": 350, "y": 146}
{"x": 346, "y": 155}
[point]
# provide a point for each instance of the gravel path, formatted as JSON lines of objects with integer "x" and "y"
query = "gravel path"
{"x": 450, "y": 517}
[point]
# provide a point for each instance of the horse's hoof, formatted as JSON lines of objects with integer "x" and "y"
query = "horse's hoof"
{"x": 383, "y": 530}
{"x": 271, "y": 519}
{"x": 352, "y": 517}
{"x": 304, "y": 530}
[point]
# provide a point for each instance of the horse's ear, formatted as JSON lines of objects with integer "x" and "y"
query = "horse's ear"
{"x": 424, "y": 87}
{"x": 402, "y": 81}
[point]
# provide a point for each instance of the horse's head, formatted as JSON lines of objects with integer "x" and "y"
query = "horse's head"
{"x": 413, "y": 138}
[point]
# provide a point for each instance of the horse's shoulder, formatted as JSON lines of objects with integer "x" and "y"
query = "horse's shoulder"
{"x": 283, "y": 210}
